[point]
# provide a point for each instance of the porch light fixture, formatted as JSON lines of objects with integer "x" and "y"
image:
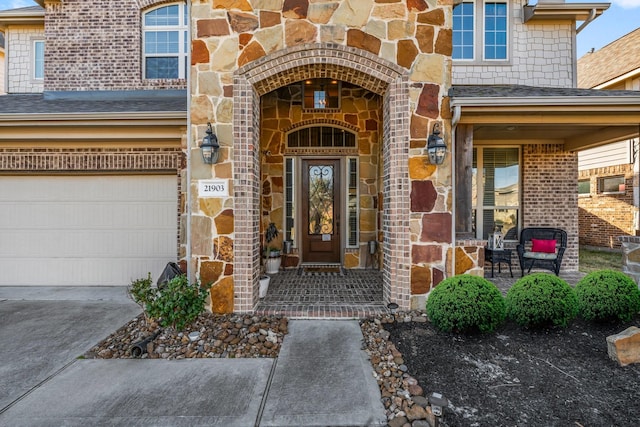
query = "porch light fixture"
{"x": 436, "y": 146}
{"x": 210, "y": 147}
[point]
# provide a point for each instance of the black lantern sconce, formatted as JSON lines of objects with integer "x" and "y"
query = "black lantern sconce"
{"x": 210, "y": 147}
{"x": 436, "y": 146}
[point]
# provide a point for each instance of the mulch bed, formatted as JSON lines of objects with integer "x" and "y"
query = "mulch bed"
{"x": 516, "y": 377}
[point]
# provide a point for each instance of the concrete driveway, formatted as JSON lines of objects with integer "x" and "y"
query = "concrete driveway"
{"x": 44, "y": 329}
{"x": 322, "y": 376}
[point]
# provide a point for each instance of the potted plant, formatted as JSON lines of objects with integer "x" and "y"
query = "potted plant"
{"x": 272, "y": 253}
{"x": 264, "y": 286}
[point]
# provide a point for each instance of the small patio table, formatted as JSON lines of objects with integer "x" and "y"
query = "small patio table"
{"x": 497, "y": 257}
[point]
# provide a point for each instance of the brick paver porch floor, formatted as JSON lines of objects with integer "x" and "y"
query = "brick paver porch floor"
{"x": 347, "y": 294}
{"x": 353, "y": 294}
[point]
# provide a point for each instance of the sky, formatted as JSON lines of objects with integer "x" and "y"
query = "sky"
{"x": 621, "y": 18}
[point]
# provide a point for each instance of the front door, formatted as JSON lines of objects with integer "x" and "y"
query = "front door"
{"x": 321, "y": 211}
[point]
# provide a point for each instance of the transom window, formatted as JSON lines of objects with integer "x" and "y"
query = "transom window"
{"x": 480, "y": 30}
{"x": 321, "y": 137}
{"x": 496, "y": 191}
{"x": 165, "y": 42}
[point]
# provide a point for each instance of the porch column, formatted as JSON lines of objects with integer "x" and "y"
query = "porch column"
{"x": 464, "y": 169}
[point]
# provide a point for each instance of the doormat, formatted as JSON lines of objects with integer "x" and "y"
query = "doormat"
{"x": 320, "y": 270}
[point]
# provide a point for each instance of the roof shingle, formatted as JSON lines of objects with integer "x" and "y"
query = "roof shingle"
{"x": 615, "y": 59}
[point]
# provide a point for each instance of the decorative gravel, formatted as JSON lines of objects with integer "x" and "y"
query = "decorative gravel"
{"x": 218, "y": 336}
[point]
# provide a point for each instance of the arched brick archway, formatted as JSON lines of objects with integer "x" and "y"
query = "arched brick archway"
{"x": 321, "y": 61}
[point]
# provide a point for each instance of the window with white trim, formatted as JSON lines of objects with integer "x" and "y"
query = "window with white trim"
{"x": 165, "y": 42}
{"x": 611, "y": 184}
{"x": 584, "y": 187}
{"x": 496, "y": 191}
{"x": 480, "y": 30}
{"x": 463, "y": 31}
{"x": 38, "y": 59}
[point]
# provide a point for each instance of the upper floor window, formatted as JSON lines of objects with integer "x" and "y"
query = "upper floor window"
{"x": 463, "y": 31}
{"x": 38, "y": 59}
{"x": 480, "y": 31}
{"x": 165, "y": 42}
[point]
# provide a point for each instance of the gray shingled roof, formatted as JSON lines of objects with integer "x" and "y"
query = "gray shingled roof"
{"x": 614, "y": 60}
{"x": 41, "y": 104}
{"x": 518, "y": 91}
{"x": 19, "y": 10}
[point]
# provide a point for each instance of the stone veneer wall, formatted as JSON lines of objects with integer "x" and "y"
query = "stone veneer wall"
{"x": 20, "y": 55}
{"x": 243, "y": 50}
{"x": 539, "y": 55}
{"x": 110, "y": 58}
{"x": 550, "y": 194}
{"x": 605, "y": 217}
{"x": 631, "y": 256}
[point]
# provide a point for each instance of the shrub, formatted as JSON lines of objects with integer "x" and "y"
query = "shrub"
{"x": 141, "y": 292}
{"x": 466, "y": 303}
{"x": 607, "y": 295}
{"x": 176, "y": 304}
{"x": 541, "y": 300}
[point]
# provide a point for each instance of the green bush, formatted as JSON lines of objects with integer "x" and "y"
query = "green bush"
{"x": 541, "y": 300}
{"x": 607, "y": 295}
{"x": 466, "y": 303}
{"x": 176, "y": 304}
{"x": 141, "y": 292}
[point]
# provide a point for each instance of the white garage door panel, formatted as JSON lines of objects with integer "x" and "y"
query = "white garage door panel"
{"x": 86, "y": 230}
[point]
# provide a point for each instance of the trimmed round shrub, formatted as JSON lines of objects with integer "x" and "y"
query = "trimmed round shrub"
{"x": 466, "y": 304}
{"x": 541, "y": 300}
{"x": 607, "y": 295}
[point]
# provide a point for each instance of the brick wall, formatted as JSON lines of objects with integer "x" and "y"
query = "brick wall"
{"x": 19, "y": 51}
{"x": 604, "y": 217}
{"x": 550, "y": 191}
{"x": 539, "y": 55}
{"x": 96, "y": 45}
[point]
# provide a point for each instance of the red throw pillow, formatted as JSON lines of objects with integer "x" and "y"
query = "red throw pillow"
{"x": 547, "y": 246}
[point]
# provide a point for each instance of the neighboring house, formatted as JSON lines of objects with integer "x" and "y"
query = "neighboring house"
{"x": 2, "y": 71}
{"x": 337, "y": 99}
{"x": 608, "y": 188}
{"x": 90, "y": 149}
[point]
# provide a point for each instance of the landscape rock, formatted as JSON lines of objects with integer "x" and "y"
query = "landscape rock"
{"x": 624, "y": 347}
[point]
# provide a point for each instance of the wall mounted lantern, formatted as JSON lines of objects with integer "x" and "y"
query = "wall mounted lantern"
{"x": 436, "y": 146}
{"x": 210, "y": 147}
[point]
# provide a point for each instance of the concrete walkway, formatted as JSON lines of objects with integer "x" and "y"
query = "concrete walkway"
{"x": 321, "y": 377}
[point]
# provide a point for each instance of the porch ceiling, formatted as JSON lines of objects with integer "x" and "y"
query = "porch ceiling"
{"x": 579, "y": 119}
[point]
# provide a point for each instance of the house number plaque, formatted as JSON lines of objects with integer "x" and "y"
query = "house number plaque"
{"x": 213, "y": 188}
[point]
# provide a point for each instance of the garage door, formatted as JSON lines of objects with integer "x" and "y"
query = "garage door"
{"x": 86, "y": 230}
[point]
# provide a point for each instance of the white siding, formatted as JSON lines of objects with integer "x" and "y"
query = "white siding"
{"x": 616, "y": 153}
{"x": 86, "y": 230}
